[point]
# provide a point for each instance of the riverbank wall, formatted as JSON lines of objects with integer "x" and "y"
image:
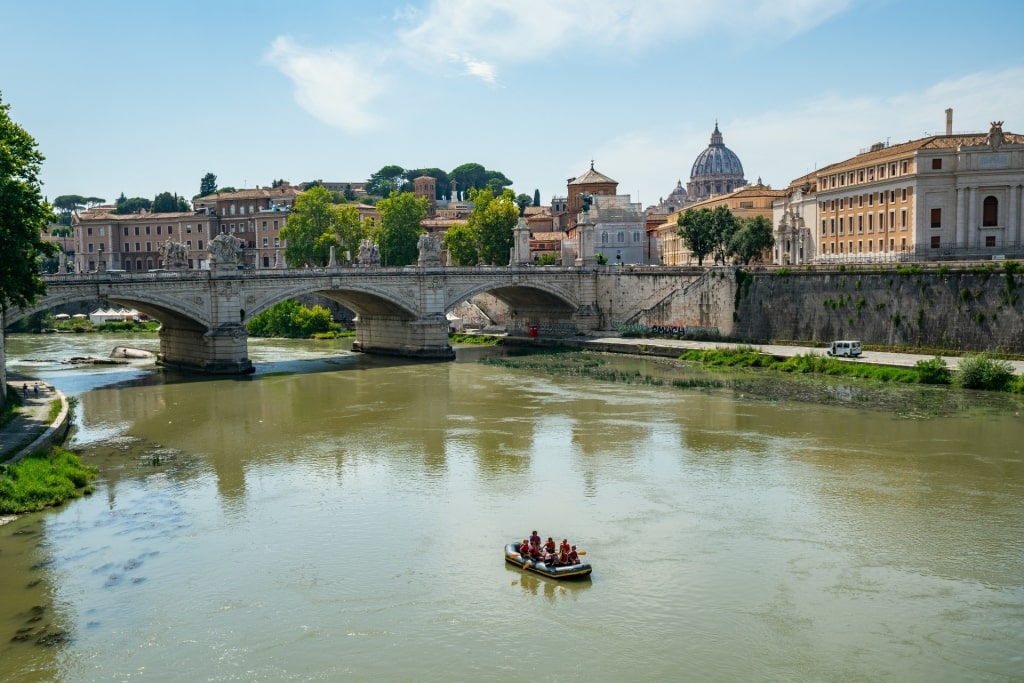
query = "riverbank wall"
{"x": 973, "y": 308}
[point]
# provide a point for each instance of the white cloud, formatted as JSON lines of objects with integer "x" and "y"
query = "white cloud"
{"x": 502, "y": 31}
{"x": 333, "y": 85}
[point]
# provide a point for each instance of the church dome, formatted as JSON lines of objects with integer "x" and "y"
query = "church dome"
{"x": 717, "y": 170}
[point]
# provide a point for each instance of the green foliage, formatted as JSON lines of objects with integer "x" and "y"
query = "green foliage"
{"x": 473, "y": 176}
{"x": 125, "y": 206}
{"x": 965, "y": 295}
{"x": 601, "y": 259}
{"x": 316, "y": 224}
{"x": 783, "y": 272}
{"x": 933, "y": 371}
{"x": 387, "y": 180}
{"x": 474, "y": 339}
{"x": 906, "y": 271}
{"x": 943, "y": 270}
{"x": 399, "y": 229}
{"x": 165, "y": 202}
{"x": 460, "y": 240}
{"x": 536, "y": 197}
{"x": 42, "y": 480}
{"x": 24, "y": 215}
{"x": 752, "y": 239}
{"x": 292, "y": 320}
{"x": 523, "y": 201}
{"x": 983, "y": 372}
{"x": 708, "y": 232}
{"x": 208, "y": 185}
{"x": 547, "y": 259}
{"x": 11, "y": 407}
{"x": 492, "y": 220}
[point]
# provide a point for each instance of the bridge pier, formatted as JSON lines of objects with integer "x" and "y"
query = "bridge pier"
{"x": 425, "y": 337}
{"x": 219, "y": 351}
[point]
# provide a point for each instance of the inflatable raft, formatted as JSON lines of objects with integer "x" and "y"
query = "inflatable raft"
{"x": 568, "y": 571}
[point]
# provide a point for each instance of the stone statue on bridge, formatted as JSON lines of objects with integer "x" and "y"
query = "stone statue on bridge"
{"x": 369, "y": 254}
{"x": 225, "y": 251}
{"x": 174, "y": 255}
{"x": 430, "y": 250}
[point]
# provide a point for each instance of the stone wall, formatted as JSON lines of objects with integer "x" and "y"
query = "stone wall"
{"x": 962, "y": 309}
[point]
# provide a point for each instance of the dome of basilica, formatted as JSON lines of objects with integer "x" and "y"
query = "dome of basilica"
{"x": 717, "y": 170}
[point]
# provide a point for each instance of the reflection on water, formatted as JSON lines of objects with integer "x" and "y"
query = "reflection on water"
{"x": 337, "y": 516}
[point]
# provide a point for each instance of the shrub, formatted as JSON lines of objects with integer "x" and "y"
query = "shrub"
{"x": 933, "y": 371}
{"x": 983, "y": 372}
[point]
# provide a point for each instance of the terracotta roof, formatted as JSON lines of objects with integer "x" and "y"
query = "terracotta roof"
{"x": 106, "y": 215}
{"x": 592, "y": 177}
{"x": 257, "y": 193}
{"x": 930, "y": 142}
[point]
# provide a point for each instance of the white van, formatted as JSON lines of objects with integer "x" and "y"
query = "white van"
{"x": 847, "y": 348}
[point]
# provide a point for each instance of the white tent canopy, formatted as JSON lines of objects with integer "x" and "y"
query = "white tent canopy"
{"x": 100, "y": 315}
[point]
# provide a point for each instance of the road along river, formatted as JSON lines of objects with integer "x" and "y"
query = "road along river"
{"x": 336, "y": 517}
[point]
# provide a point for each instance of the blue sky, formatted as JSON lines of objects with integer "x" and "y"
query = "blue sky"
{"x": 141, "y": 98}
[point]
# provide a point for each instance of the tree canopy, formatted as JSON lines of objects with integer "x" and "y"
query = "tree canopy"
{"x": 487, "y": 236}
{"x": 752, "y": 240}
{"x": 708, "y": 231}
{"x": 132, "y": 205}
{"x": 309, "y": 230}
{"x": 208, "y": 185}
{"x": 24, "y": 215}
{"x": 70, "y": 204}
{"x": 165, "y": 202}
{"x": 467, "y": 177}
{"x": 399, "y": 229}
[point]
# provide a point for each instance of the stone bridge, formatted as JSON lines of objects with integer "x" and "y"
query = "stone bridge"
{"x": 400, "y": 311}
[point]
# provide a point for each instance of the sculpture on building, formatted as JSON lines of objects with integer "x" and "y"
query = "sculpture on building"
{"x": 995, "y": 135}
{"x": 369, "y": 254}
{"x": 174, "y": 254}
{"x": 430, "y": 250}
{"x": 586, "y": 200}
{"x": 225, "y": 250}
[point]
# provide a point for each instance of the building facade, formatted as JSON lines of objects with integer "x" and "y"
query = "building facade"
{"x": 952, "y": 196}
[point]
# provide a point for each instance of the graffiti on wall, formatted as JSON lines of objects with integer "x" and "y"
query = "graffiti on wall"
{"x": 673, "y": 330}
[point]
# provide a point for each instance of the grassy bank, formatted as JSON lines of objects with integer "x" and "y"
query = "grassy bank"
{"x": 42, "y": 480}
{"x": 474, "y": 339}
{"x": 11, "y": 407}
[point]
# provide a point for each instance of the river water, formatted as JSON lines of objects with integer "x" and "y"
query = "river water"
{"x": 339, "y": 517}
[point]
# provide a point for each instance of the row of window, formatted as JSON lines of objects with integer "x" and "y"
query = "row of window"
{"x": 847, "y": 247}
{"x": 847, "y": 221}
{"x": 843, "y": 204}
{"x": 620, "y": 237}
{"x": 869, "y": 174}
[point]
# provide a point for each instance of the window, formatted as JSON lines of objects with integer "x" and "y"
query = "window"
{"x": 860, "y": 224}
{"x": 871, "y": 222}
{"x": 832, "y": 226}
{"x": 138, "y": 246}
{"x": 90, "y": 245}
{"x": 188, "y": 243}
{"x": 860, "y": 176}
{"x": 620, "y": 236}
{"x": 822, "y": 226}
{"x": 903, "y": 195}
{"x": 200, "y": 245}
{"x": 265, "y": 244}
{"x": 903, "y": 219}
{"x": 936, "y": 218}
{"x": 636, "y": 236}
{"x": 881, "y": 172}
{"x": 103, "y": 232}
{"x": 188, "y": 228}
{"x": 232, "y": 209}
{"x": 990, "y": 212}
{"x": 275, "y": 225}
{"x": 199, "y": 228}
{"x": 251, "y": 210}
{"x": 860, "y": 201}
{"x": 126, "y": 231}
{"x": 906, "y": 165}
{"x": 936, "y": 241}
{"x": 892, "y": 220}
{"x": 127, "y": 246}
{"x": 892, "y": 169}
{"x": 840, "y": 225}
{"x": 158, "y": 229}
{"x": 860, "y": 246}
{"x": 892, "y": 196}
{"x": 832, "y": 206}
{"x": 936, "y": 164}
{"x": 149, "y": 246}
{"x": 871, "y": 199}
{"x": 170, "y": 229}
{"x": 990, "y": 240}
{"x": 148, "y": 229}
{"x": 264, "y": 226}
{"x": 277, "y": 242}
{"x": 842, "y": 203}
{"x": 604, "y": 240}
{"x": 881, "y": 221}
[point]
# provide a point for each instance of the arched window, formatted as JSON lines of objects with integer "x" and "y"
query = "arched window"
{"x": 990, "y": 211}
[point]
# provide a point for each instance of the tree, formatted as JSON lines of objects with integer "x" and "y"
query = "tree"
{"x": 752, "y": 240}
{"x": 24, "y": 214}
{"x": 696, "y": 229}
{"x": 460, "y": 240}
{"x": 348, "y": 228}
{"x": 208, "y": 185}
{"x": 399, "y": 229}
{"x": 349, "y": 193}
{"x": 536, "y": 197}
{"x": 133, "y": 205}
{"x": 522, "y": 201}
{"x": 387, "y": 180}
{"x": 280, "y": 182}
{"x": 68, "y": 205}
{"x": 309, "y": 230}
{"x": 724, "y": 226}
{"x": 473, "y": 176}
{"x": 493, "y": 219}
{"x": 165, "y": 202}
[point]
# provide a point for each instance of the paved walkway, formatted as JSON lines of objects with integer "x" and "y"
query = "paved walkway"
{"x": 872, "y": 357}
{"x": 32, "y": 420}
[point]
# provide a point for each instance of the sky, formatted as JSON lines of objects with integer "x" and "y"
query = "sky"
{"x": 147, "y": 97}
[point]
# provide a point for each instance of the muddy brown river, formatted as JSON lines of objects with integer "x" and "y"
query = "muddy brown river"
{"x": 338, "y": 517}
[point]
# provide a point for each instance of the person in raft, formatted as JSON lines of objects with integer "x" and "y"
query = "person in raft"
{"x": 563, "y": 552}
{"x": 535, "y": 538}
{"x": 549, "y": 546}
{"x": 574, "y": 557}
